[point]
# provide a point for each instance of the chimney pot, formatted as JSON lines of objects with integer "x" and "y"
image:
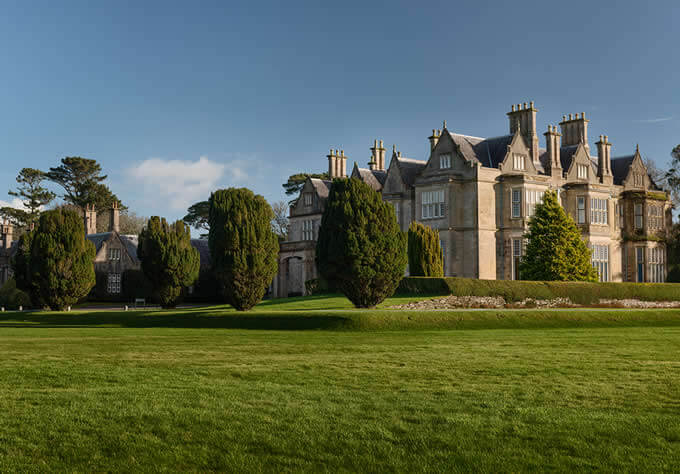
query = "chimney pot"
{"x": 531, "y": 104}
{"x": 583, "y": 114}
{"x": 381, "y": 143}
{"x": 399, "y": 154}
{"x": 513, "y": 108}
{"x": 525, "y": 106}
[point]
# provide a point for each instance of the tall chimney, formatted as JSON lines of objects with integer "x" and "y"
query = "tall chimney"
{"x": 575, "y": 130}
{"x": 434, "y": 139}
{"x": 332, "y": 164}
{"x": 90, "y": 219}
{"x": 375, "y": 160}
{"x": 342, "y": 162}
{"x": 523, "y": 118}
{"x": 552, "y": 143}
{"x": 381, "y": 157}
{"x": 114, "y": 221}
{"x": 7, "y": 234}
{"x": 604, "y": 160}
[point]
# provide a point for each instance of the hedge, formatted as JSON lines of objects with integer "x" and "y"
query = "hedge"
{"x": 514, "y": 290}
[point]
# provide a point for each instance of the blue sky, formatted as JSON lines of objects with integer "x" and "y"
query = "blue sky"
{"x": 176, "y": 99}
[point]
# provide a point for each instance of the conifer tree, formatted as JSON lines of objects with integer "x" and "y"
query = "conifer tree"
{"x": 555, "y": 250}
{"x": 61, "y": 260}
{"x": 360, "y": 249}
{"x": 243, "y": 247}
{"x": 169, "y": 261}
{"x": 21, "y": 265}
{"x": 424, "y": 251}
{"x": 33, "y": 196}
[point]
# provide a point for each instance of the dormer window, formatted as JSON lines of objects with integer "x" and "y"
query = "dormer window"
{"x": 582, "y": 172}
{"x": 444, "y": 161}
{"x": 114, "y": 254}
{"x": 307, "y": 197}
{"x": 518, "y": 162}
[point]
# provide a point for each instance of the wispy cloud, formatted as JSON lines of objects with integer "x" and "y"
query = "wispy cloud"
{"x": 655, "y": 120}
{"x": 179, "y": 183}
{"x": 15, "y": 203}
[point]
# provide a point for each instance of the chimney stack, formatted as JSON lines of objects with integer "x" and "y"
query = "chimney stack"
{"x": 575, "y": 130}
{"x": 604, "y": 160}
{"x": 434, "y": 139}
{"x": 90, "y": 219}
{"x": 7, "y": 234}
{"x": 337, "y": 164}
{"x": 523, "y": 118}
{"x": 377, "y": 156}
{"x": 552, "y": 144}
{"x": 114, "y": 222}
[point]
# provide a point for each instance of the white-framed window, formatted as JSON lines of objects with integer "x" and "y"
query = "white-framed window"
{"x": 308, "y": 198}
{"x": 114, "y": 254}
{"x": 598, "y": 211}
{"x": 308, "y": 230}
{"x": 113, "y": 283}
{"x": 445, "y": 161}
{"x": 600, "y": 261}
{"x": 519, "y": 162}
{"x": 582, "y": 171}
{"x": 639, "y": 216}
{"x": 657, "y": 263}
{"x": 532, "y": 198}
{"x": 655, "y": 216}
{"x": 580, "y": 209}
{"x": 432, "y": 204}
{"x": 516, "y": 257}
{"x": 516, "y": 203}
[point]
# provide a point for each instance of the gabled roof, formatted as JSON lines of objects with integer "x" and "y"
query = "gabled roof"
{"x": 321, "y": 186}
{"x": 202, "y": 246}
{"x": 409, "y": 168}
{"x": 490, "y": 152}
{"x": 620, "y": 167}
{"x": 374, "y": 178}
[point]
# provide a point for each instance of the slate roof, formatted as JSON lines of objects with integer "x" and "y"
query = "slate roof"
{"x": 132, "y": 241}
{"x": 409, "y": 168}
{"x": 374, "y": 178}
{"x": 620, "y": 166}
{"x": 321, "y": 186}
{"x": 490, "y": 152}
{"x": 202, "y": 246}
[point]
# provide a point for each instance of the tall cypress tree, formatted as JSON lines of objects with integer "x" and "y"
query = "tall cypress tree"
{"x": 424, "y": 251}
{"x": 169, "y": 261}
{"x": 243, "y": 247}
{"x": 555, "y": 250}
{"x": 61, "y": 260}
{"x": 361, "y": 249}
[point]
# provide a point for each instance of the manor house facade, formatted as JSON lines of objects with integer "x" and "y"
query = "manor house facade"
{"x": 480, "y": 193}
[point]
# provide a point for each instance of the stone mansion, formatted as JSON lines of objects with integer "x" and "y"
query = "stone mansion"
{"x": 480, "y": 193}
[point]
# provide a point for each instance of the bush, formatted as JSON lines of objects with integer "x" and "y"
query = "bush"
{"x": 61, "y": 260}
{"x": 169, "y": 261}
{"x": 424, "y": 251}
{"x": 555, "y": 250}
{"x": 360, "y": 250}
{"x": 244, "y": 249}
{"x": 584, "y": 293}
{"x": 11, "y": 297}
{"x": 136, "y": 285}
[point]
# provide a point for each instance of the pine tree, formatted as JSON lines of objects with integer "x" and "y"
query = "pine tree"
{"x": 360, "y": 249}
{"x": 169, "y": 261}
{"x": 555, "y": 250}
{"x": 32, "y": 194}
{"x": 243, "y": 248}
{"x": 61, "y": 260}
{"x": 424, "y": 251}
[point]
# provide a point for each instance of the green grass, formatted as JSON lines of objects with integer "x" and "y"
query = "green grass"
{"x": 212, "y": 389}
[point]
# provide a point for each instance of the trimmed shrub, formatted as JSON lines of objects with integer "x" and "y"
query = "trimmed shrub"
{"x": 513, "y": 291}
{"x": 169, "y": 261}
{"x": 11, "y": 297}
{"x": 360, "y": 250}
{"x": 424, "y": 251}
{"x": 244, "y": 250}
{"x": 61, "y": 260}
{"x": 555, "y": 250}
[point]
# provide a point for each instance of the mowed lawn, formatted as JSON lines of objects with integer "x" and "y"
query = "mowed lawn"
{"x": 77, "y": 395}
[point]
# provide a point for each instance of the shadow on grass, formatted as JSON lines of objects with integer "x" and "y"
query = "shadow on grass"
{"x": 194, "y": 318}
